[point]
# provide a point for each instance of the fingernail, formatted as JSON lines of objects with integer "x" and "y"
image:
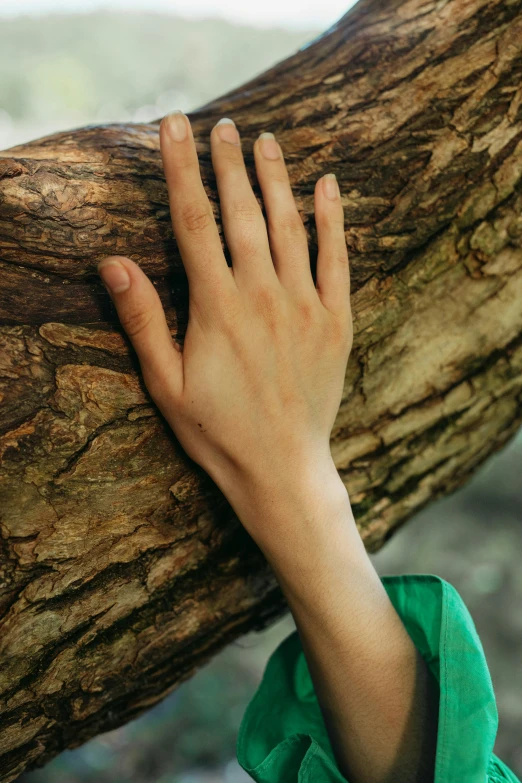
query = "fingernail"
{"x": 177, "y": 125}
{"x": 227, "y": 131}
{"x": 269, "y": 146}
{"x": 114, "y": 275}
{"x": 331, "y": 186}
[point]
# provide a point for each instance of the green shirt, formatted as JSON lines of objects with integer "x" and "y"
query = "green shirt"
{"x": 283, "y": 739}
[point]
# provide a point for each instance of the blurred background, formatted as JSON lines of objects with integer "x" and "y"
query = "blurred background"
{"x": 68, "y": 63}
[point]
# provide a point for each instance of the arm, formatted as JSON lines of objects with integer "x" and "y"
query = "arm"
{"x": 378, "y": 698}
{"x": 252, "y": 397}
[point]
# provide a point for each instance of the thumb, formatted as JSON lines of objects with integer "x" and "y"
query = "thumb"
{"x": 142, "y": 316}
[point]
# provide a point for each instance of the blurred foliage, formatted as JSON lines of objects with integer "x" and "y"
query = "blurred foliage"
{"x": 108, "y": 67}
{"x": 60, "y": 71}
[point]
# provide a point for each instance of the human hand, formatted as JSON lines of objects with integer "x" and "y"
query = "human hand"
{"x": 253, "y": 394}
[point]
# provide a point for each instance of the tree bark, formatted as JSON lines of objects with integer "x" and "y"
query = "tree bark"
{"x": 122, "y": 566}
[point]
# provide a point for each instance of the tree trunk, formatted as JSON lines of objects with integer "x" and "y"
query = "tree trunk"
{"x": 122, "y": 566}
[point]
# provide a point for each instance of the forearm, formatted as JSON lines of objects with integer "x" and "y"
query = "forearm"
{"x": 379, "y": 699}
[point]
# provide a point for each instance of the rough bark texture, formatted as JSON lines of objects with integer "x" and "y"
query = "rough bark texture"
{"x": 122, "y": 567}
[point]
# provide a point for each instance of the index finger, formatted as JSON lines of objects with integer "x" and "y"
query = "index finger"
{"x": 192, "y": 217}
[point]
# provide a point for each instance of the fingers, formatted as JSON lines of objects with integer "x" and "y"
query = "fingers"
{"x": 243, "y": 222}
{"x": 142, "y": 316}
{"x": 192, "y": 217}
{"x": 333, "y": 271}
{"x": 287, "y": 234}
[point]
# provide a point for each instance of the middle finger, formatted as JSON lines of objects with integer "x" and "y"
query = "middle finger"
{"x": 243, "y": 222}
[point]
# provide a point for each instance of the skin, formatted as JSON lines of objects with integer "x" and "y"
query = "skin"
{"x": 252, "y": 398}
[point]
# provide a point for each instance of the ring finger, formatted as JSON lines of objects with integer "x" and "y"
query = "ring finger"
{"x": 287, "y": 233}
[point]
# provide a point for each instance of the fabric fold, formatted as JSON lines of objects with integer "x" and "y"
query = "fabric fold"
{"x": 282, "y": 736}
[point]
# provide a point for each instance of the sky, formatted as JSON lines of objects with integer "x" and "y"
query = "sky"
{"x": 292, "y": 14}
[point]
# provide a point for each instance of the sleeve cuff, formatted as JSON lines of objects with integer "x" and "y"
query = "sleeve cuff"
{"x": 282, "y": 737}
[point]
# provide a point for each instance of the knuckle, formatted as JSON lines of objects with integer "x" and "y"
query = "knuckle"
{"x": 135, "y": 321}
{"x": 338, "y": 222}
{"x": 266, "y": 303}
{"x": 195, "y": 218}
{"x": 223, "y": 314}
{"x": 290, "y": 224}
{"x": 331, "y": 217}
{"x": 307, "y": 318}
{"x": 231, "y": 155}
{"x": 245, "y": 212}
{"x": 187, "y": 168}
{"x": 341, "y": 257}
{"x": 307, "y": 311}
{"x": 280, "y": 176}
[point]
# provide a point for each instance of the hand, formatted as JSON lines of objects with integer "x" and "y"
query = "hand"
{"x": 254, "y": 393}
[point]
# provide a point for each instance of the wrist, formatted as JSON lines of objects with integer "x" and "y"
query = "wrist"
{"x": 298, "y": 521}
{"x": 324, "y": 561}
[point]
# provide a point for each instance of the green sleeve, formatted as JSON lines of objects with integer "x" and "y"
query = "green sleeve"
{"x": 283, "y": 739}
